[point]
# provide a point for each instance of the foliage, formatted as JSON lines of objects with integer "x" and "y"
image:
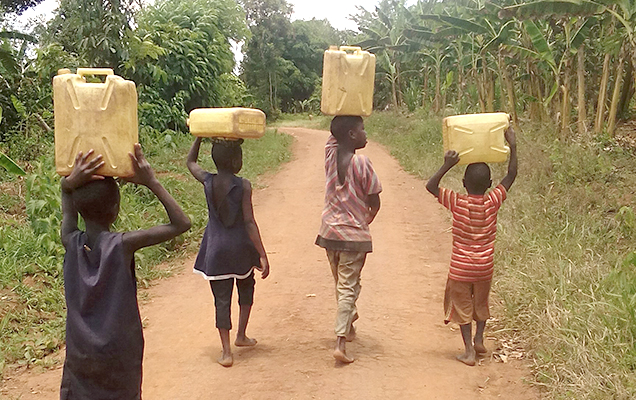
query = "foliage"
{"x": 18, "y": 6}
{"x": 181, "y": 59}
{"x": 565, "y": 262}
{"x": 95, "y": 31}
{"x": 31, "y": 284}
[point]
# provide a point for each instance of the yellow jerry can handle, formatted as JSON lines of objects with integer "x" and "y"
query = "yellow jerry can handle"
{"x": 94, "y": 71}
{"x": 354, "y": 49}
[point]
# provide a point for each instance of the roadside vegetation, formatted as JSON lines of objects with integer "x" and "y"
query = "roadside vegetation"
{"x": 565, "y": 280}
{"x": 564, "y": 71}
{"x": 31, "y": 284}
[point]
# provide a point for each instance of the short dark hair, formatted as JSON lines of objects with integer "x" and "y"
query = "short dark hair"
{"x": 224, "y": 154}
{"x": 477, "y": 177}
{"x": 342, "y": 124}
{"x": 96, "y": 200}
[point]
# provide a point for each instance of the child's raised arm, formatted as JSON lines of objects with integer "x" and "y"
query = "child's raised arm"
{"x": 508, "y": 180}
{"x": 83, "y": 172}
{"x": 252, "y": 228}
{"x": 179, "y": 221}
{"x": 196, "y": 171}
{"x": 451, "y": 158}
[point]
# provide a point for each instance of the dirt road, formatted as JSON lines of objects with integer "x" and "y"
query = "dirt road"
{"x": 403, "y": 349}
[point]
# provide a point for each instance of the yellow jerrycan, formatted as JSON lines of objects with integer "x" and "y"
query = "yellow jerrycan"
{"x": 230, "y": 123}
{"x": 477, "y": 137}
{"x": 348, "y": 76}
{"x": 98, "y": 116}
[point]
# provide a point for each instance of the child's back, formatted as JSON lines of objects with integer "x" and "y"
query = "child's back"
{"x": 104, "y": 338}
{"x": 231, "y": 247}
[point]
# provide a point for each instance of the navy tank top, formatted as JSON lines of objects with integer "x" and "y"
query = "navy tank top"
{"x": 226, "y": 249}
{"x": 104, "y": 338}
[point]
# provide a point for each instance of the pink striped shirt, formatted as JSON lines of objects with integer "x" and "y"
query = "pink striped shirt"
{"x": 345, "y": 215}
{"x": 474, "y": 232}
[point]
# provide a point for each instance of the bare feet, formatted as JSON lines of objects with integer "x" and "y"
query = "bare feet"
{"x": 244, "y": 342}
{"x": 480, "y": 348}
{"x": 352, "y": 334}
{"x": 467, "y": 358}
{"x": 340, "y": 353}
{"x": 226, "y": 360}
{"x": 342, "y": 356}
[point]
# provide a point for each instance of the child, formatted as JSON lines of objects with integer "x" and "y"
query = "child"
{"x": 474, "y": 231}
{"x": 231, "y": 247}
{"x": 104, "y": 339}
{"x": 352, "y": 200}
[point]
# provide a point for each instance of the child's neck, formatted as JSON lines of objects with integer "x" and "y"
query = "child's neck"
{"x": 93, "y": 229}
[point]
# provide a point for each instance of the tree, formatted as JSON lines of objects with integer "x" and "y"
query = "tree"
{"x": 95, "y": 31}
{"x": 263, "y": 67}
{"x": 18, "y": 6}
{"x": 180, "y": 56}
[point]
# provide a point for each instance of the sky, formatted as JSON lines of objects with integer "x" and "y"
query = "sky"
{"x": 336, "y": 11}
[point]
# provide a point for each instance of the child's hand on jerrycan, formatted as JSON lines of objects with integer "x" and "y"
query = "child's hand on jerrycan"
{"x": 510, "y": 136}
{"x": 144, "y": 175}
{"x": 83, "y": 171}
{"x": 451, "y": 157}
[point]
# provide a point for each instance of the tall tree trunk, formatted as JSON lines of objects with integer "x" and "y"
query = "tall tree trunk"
{"x": 566, "y": 104}
{"x": 398, "y": 81}
{"x": 489, "y": 85}
{"x": 618, "y": 83}
{"x": 627, "y": 91}
{"x": 438, "y": 83}
{"x": 425, "y": 86}
{"x": 580, "y": 80}
{"x": 602, "y": 94}
{"x": 394, "y": 92}
{"x": 510, "y": 90}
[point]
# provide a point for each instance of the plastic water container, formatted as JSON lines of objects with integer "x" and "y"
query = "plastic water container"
{"x": 101, "y": 116}
{"x": 477, "y": 137}
{"x": 347, "y": 81}
{"x": 231, "y": 123}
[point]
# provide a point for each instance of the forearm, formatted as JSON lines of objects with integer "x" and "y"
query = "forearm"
{"x": 177, "y": 217}
{"x": 255, "y": 236}
{"x": 433, "y": 183}
{"x": 373, "y": 207}
{"x": 512, "y": 168}
{"x": 69, "y": 212}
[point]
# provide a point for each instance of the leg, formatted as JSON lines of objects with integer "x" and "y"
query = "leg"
{"x": 468, "y": 357}
{"x": 222, "y": 291}
{"x": 479, "y": 338}
{"x": 481, "y": 290}
{"x": 246, "y": 299}
{"x": 346, "y": 267}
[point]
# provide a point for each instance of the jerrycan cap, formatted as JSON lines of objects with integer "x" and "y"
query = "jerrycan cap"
{"x": 63, "y": 71}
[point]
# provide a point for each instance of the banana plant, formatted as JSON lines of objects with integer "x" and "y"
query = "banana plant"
{"x": 7, "y": 163}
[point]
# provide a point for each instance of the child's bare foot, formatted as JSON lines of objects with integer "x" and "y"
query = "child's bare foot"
{"x": 226, "y": 360}
{"x": 352, "y": 334}
{"x": 480, "y": 348}
{"x": 342, "y": 356}
{"x": 467, "y": 358}
{"x": 244, "y": 341}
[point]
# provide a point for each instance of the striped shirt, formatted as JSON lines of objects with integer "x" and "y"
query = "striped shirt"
{"x": 345, "y": 215}
{"x": 474, "y": 231}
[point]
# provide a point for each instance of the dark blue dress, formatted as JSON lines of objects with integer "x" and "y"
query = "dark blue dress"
{"x": 104, "y": 339}
{"x": 226, "y": 249}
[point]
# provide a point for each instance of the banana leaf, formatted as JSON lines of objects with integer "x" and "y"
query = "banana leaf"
{"x": 10, "y": 165}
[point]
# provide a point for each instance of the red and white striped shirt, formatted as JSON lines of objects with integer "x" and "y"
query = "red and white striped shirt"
{"x": 346, "y": 212}
{"x": 474, "y": 232}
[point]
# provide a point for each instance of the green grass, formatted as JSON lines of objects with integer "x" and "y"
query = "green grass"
{"x": 31, "y": 285}
{"x": 565, "y": 284}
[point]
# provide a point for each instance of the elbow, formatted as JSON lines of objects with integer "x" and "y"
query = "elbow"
{"x": 185, "y": 225}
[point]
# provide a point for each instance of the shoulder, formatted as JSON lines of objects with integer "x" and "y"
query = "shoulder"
{"x": 498, "y": 193}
